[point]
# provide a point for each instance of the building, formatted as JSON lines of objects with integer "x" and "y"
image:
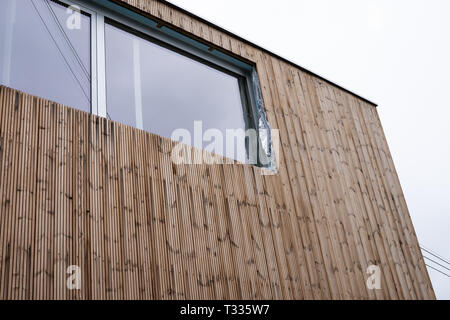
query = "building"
{"x": 93, "y": 204}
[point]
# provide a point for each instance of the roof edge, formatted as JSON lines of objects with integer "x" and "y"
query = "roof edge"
{"x": 203, "y": 20}
{"x": 237, "y": 37}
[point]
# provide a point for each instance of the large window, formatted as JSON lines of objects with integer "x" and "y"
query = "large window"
{"x": 101, "y": 58}
{"x": 43, "y": 54}
{"x": 161, "y": 89}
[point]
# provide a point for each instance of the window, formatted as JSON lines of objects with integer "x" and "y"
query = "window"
{"x": 102, "y": 58}
{"x": 161, "y": 89}
{"x": 41, "y": 55}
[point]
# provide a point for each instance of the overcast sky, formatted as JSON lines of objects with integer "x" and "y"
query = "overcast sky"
{"x": 393, "y": 52}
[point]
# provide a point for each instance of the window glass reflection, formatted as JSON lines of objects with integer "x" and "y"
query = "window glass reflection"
{"x": 45, "y": 51}
{"x": 160, "y": 90}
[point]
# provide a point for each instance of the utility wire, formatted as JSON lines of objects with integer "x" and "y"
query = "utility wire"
{"x": 437, "y": 270}
{"x": 66, "y": 37}
{"x": 59, "y": 49}
{"x": 434, "y": 254}
{"x": 437, "y": 263}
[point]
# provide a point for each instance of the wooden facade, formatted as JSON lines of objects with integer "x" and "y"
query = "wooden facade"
{"x": 76, "y": 189}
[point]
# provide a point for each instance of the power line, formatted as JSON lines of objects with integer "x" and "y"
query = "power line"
{"x": 66, "y": 37}
{"x": 434, "y": 254}
{"x": 59, "y": 49}
{"x": 437, "y": 263}
{"x": 437, "y": 270}
{"x": 437, "y": 255}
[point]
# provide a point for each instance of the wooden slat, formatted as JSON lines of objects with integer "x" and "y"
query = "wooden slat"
{"x": 76, "y": 189}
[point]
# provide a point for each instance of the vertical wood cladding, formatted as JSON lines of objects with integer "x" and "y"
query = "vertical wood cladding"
{"x": 76, "y": 189}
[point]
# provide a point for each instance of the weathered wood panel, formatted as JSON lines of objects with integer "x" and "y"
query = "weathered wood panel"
{"x": 80, "y": 190}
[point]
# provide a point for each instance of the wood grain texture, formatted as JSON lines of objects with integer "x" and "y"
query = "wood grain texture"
{"x": 76, "y": 189}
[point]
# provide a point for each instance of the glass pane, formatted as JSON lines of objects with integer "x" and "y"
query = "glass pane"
{"x": 45, "y": 50}
{"x": 159, "y": 90}
{"x": 119, "y": 76}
